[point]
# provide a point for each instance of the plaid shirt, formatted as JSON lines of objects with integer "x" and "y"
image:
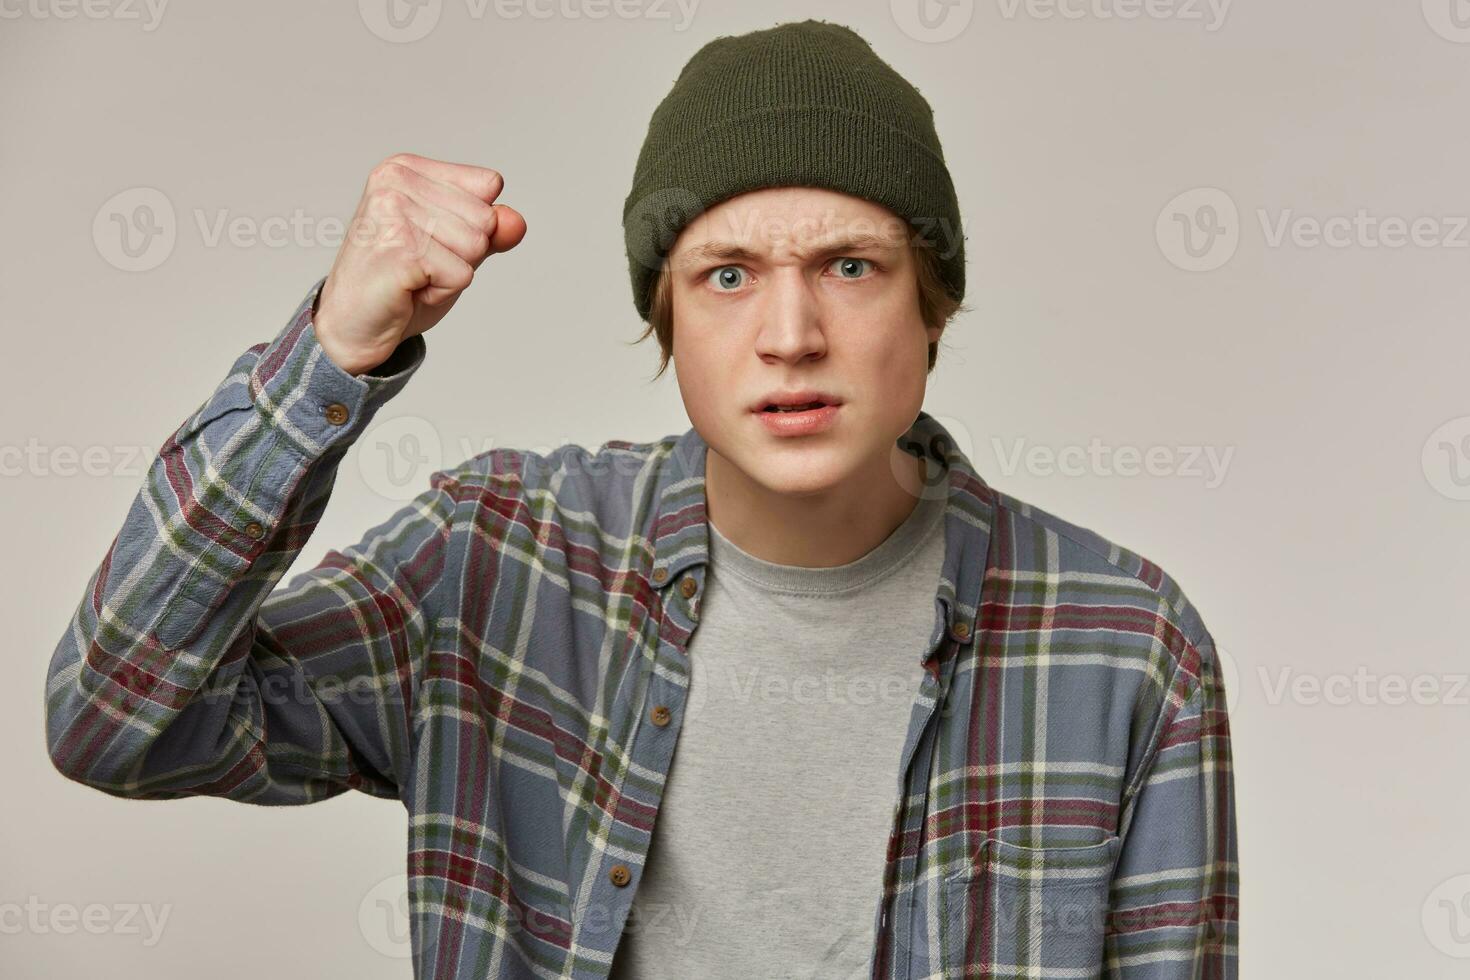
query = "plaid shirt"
{"x": 506, "y": 656}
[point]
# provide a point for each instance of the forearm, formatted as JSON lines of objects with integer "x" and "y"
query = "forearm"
{"x": 170, "y": 612}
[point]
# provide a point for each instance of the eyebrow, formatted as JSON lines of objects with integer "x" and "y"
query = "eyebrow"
{"x": 731, "y": 250}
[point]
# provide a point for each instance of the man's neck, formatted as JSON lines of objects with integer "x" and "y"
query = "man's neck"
{"x": 819, "y": 530}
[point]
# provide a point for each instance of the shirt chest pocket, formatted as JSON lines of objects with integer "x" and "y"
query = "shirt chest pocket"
{"x": 1029, "y": 911}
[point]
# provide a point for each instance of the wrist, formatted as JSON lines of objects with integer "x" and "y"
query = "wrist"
{"x": 350, "y": 361}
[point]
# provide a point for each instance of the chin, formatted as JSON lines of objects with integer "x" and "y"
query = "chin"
{"x": 796, "y": 473}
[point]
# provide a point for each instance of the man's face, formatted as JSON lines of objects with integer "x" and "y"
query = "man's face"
{"x": 792, "y": 289}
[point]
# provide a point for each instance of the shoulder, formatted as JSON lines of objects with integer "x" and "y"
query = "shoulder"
{"x": 1100, "y": 583}
{"x": 538, "y": 467}
{"x": 603, "y": 482}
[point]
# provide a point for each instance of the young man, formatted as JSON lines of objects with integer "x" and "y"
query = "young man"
{"x": 922, "y": 728}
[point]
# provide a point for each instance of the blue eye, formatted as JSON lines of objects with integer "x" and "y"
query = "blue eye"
{"x": 851, "y": 268}
{"x": 727, "y": 277}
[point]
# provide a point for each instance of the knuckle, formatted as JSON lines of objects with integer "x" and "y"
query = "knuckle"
{"x": 484, "y": 221}
{"x": 390, "y": 171}
{"x": 390, "y": 199}
{"x": 489, "y": 181}
{"x": 453, "y": 283}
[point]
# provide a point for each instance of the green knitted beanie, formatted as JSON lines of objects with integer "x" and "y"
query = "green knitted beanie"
{"x": 800, "y": 104}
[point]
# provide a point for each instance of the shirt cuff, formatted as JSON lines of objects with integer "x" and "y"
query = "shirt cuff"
{"x": 313, "y": 402}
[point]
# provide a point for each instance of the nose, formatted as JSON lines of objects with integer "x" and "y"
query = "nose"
{"x": 791, "y": 320}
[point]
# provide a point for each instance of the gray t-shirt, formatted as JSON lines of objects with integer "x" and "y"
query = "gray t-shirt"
{"x": 768, "y": 849}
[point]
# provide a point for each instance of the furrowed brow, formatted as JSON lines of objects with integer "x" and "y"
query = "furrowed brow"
{"x": 728, "y": 251}
{"x": 716, "y": 250}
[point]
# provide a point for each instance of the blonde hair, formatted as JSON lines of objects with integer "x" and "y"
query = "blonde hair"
{"x": 936, "y": 306}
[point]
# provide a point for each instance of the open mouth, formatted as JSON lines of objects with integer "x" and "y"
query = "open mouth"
{"x": 804, "y": 419}
{"x": 809, "y": 406}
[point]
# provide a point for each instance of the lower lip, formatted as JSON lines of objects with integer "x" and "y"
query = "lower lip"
{"x": 807, "y": 423}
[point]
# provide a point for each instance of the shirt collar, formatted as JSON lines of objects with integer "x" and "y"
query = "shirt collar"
{"x": 681, "y": 530}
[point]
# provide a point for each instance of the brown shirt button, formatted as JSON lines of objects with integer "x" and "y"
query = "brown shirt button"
{"x": 619, "y": 875}
{"x": 962, "y": 630}
{"x": 660, "y": 715}
{"x": 660, "y": 574}
{"x": 688, "y": 586}
{"x": 336, "y": 413}
{"x": 254, "y": 530}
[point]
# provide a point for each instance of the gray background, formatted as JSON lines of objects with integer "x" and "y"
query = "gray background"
{"x": 1330, "y": 551}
